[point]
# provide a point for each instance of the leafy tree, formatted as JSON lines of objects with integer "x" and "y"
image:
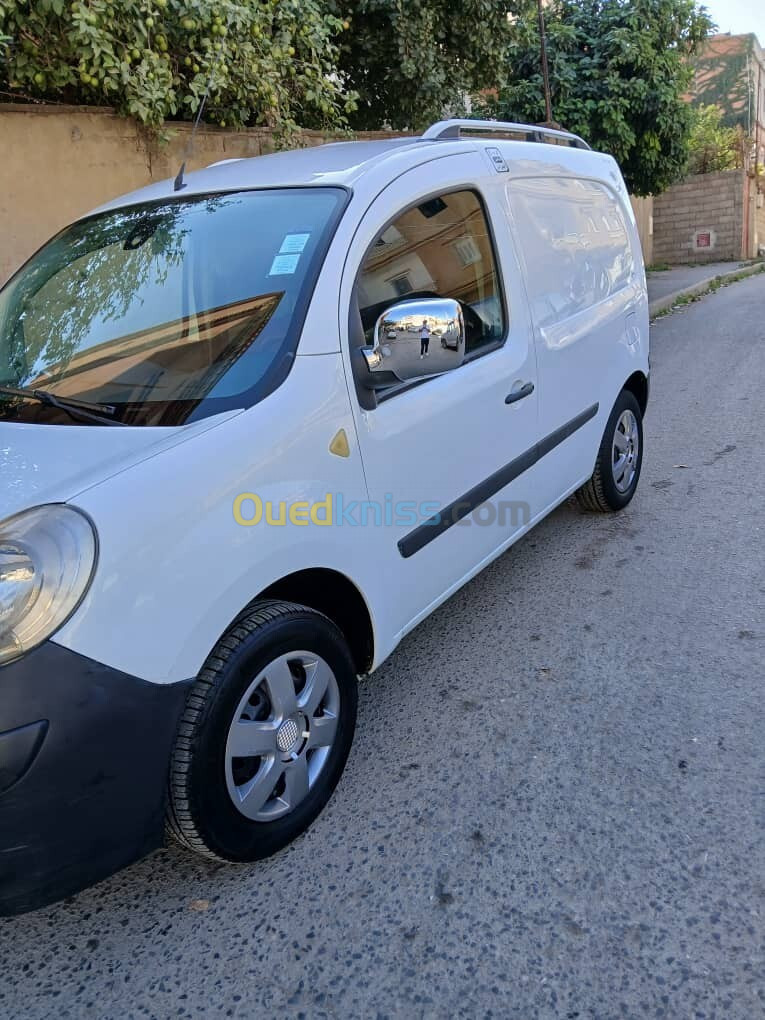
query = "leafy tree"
{"x": 410, "y": 62}
{"x": 712, "y": 145}
{"x": 270, "y": 62}
{"x": 619, "y": 70}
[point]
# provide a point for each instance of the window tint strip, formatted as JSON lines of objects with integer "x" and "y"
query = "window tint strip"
{"x": 473, "y": 498}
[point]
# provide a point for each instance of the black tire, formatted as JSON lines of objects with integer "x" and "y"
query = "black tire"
{"x": 201, "y": 813}
{"x": 600, "y": 493}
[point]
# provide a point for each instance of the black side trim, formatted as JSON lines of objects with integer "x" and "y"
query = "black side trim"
{"x": 473, "y": 498}
{"x": 466, "y": 504}
{"x": 561, "y": 434}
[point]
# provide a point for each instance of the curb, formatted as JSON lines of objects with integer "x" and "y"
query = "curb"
{"x": 663, "y": 304}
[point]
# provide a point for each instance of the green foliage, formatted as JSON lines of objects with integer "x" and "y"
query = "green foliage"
{"x": 271, "y": 62}
{"x": 723, "y": 78}
{"x": 410, "y": 62}
{"x": 618, "y": 72}
{"x": 712, "y": 145}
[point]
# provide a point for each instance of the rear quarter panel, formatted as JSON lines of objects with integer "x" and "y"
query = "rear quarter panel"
{"x": 585, "y": 280}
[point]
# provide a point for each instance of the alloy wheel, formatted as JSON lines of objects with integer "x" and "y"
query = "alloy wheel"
{"x": 625, "y": 450}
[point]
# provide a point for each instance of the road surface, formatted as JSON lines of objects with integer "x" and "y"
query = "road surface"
{"x": 554, "y": 807}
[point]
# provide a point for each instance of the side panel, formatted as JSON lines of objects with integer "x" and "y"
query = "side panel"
{"x": 586, "y": 287}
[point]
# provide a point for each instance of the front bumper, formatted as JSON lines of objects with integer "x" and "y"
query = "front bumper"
{"x": 84, "y": 754}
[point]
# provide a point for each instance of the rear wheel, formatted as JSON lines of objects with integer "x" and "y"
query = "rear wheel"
{"x": 620, "y": 457}
{"x": 265, "y": 734}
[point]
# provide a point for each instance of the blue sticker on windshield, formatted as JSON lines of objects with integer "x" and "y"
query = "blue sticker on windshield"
{"x": 293, "y": 244}
{"x": 284, "y": 265}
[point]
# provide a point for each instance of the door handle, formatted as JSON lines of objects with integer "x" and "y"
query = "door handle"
{"x": 525, "y": 391}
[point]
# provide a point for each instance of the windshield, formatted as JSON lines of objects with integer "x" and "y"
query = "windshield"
{"x": 167, "y": 312}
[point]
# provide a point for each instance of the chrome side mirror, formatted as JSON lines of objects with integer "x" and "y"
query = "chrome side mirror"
{"x": 417, "y": 338}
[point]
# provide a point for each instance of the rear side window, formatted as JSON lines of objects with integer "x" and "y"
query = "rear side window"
{"x": 439, "y": 248}
{"x": 575, "y": 243}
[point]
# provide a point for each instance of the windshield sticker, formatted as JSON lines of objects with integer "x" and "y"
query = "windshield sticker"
{"x": 293, "y": 244}
{"x": 284, "y": 265}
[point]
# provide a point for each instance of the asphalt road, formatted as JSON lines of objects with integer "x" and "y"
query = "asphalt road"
{"x": 555, "y": 803}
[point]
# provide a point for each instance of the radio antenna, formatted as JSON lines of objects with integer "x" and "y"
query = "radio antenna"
{"x": 179, "y": 184}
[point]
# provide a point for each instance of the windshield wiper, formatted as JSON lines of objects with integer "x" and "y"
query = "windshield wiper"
{"x": 76, "y": 408}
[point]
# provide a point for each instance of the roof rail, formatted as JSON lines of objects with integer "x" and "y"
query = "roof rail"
{"x": 533, "y": 132}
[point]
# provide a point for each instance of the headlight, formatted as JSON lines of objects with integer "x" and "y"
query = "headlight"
{"x": 47, "y": 558}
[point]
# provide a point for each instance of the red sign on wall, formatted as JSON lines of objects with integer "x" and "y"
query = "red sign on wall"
{"x": 704, "y": 240}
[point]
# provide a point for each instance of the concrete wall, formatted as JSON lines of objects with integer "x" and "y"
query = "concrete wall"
{"x": 701, "y": 220}
{"x": 59, "y": 162}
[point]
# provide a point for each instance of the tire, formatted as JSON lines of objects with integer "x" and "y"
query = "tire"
{"x": 609, "y": 489}
{"x": 241, "y": 701}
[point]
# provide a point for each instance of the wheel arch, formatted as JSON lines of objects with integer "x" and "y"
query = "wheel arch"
{"x": 637, "y": 384}
{"x": 336, "y": 596}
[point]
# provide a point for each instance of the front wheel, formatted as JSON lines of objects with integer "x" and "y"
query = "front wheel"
{"x": 265, "y": 734}
{"x": 620, "y": 457}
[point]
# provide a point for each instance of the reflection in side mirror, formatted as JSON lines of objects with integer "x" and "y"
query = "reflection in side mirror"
{"x": 417, "y": 338}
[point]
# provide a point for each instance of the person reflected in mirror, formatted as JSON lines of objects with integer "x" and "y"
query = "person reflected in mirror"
{"x": 424, "y": 339}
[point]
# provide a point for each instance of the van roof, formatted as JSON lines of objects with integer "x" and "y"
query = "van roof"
{"x": 344, "y": 163}
{"x": 338, "y": 163}
{"x": 333, "y": 162}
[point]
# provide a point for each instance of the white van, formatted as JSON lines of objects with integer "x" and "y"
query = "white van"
{"x": 231, "y": 478}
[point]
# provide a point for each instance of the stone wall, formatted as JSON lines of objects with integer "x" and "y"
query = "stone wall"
{"x": 701, "y": 220}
